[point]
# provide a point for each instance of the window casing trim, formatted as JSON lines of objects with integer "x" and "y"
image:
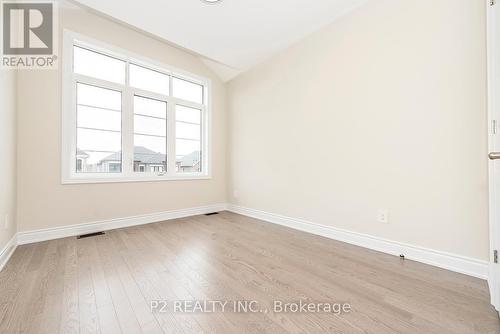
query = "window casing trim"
{"x": 68, "y": 139}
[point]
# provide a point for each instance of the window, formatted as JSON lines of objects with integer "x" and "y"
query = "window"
{"x": 127, "y": 119}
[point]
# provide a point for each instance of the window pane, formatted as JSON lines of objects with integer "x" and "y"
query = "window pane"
{"x": 150, "y": 135}
{"x": 97, "y": 65}
{"x": 146, "y": 79}
{"x": 98, "y": 151}
{"x": 96, "y": 118}
{"x": 186, "y": 90}
{"x": 189, "y": 115}
{"x": 88, "y": 95}
{"x": 185, "y": 147}
{"x": 188, "y": 159}
{"x": 188, "y": 139}
{"x": 188, "y": 131}
{"x": 150, "y": 154}
{"x": 150, "y": 126}
{"x": 149, "y": 107}
{"x": 99, "y": 140}
{"x": 98, "y": 135}
{"x": 98, "y": 162}
{"x": 155, "y": 144}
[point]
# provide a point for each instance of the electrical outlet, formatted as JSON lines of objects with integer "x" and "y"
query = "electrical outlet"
{"x": 383, "y": 216}
{"x": 236, "y": 193}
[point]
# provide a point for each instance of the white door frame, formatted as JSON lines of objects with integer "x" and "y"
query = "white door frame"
{"x": 493, "y": 54}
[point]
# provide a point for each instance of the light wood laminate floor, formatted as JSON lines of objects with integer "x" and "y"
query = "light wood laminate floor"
{"x": 105, "y": 284}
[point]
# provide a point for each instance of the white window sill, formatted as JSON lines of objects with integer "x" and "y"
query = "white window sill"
{"x": 121, "y": 179}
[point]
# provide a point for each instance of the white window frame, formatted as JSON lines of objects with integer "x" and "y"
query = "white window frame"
{"x": 69, "y": 125}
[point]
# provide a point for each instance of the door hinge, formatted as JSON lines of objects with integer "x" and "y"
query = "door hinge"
{"x": 493, "y": 2}
{"x": 494, "y": 126}
{"x": 495, "y": 256}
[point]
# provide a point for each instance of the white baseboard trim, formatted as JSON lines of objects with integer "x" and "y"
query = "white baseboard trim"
{"x": 111, "y": 224}
{"x": 7, "y": 251}
{"x": 453, "y": 262}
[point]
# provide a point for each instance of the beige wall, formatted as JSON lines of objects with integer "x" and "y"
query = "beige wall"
{"x": 384, "y": 109}
{"x": 8, "y": 155}
{"x": 43, "y": 201}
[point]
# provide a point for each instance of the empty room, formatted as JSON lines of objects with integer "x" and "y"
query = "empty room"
{"x": 265, "y": 166}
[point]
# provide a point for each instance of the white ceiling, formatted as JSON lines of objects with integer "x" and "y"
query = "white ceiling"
{"x": 233, "y": 35}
